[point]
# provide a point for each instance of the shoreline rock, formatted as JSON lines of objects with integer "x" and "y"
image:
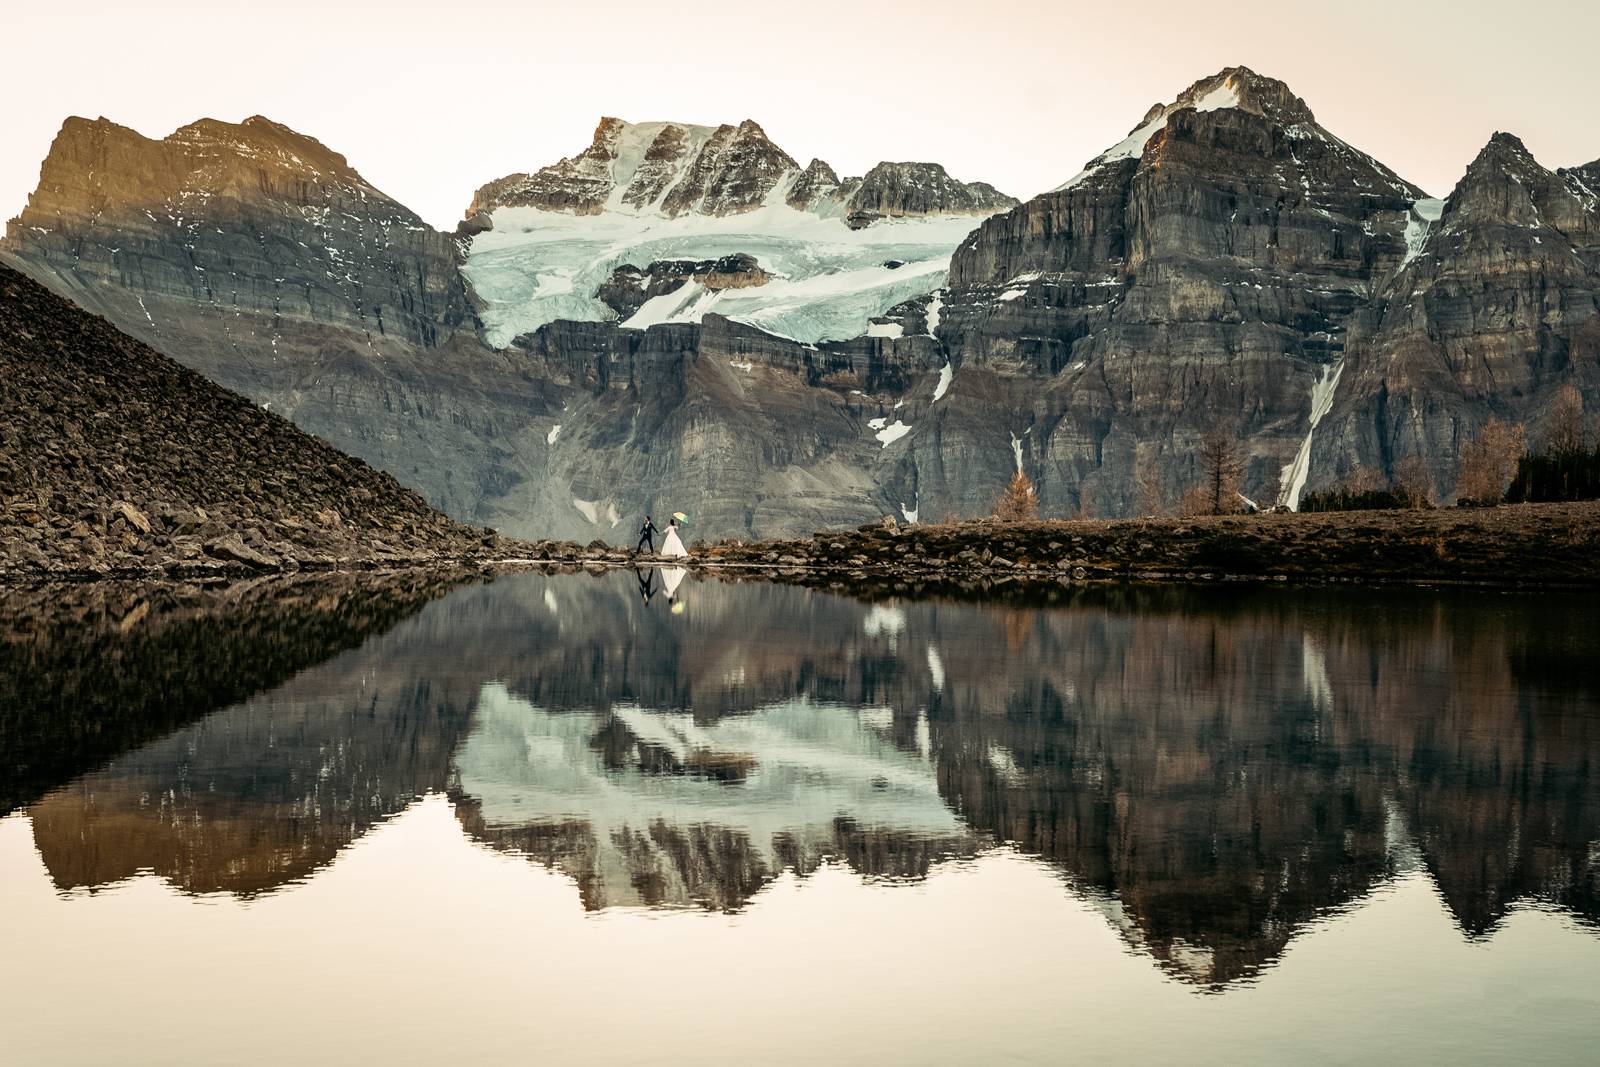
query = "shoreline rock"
{"x": 1540, "y": 545}
{"x": 1532, "y": 544}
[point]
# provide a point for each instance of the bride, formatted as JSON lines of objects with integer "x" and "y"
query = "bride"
{"x": 673, "y": 545}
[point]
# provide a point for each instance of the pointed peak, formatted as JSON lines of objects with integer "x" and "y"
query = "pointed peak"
{"x": 1505, "y": 153}
{"x": 1231, "y": 87}
{"x": 1503, "y": 142}
{"x": 820, "y": 171}
{"x": 1243, "y": 88}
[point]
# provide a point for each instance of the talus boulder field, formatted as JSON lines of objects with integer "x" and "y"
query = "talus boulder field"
{"x": 116, "y": 460}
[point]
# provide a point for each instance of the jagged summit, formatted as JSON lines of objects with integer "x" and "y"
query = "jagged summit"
{"x": 1255, "y": 93}
{"x": 1505, "y": 151}
{"x": 675, "y": 168}
{"x": 1505, "y": 185}
{"x": 664, "y": 167}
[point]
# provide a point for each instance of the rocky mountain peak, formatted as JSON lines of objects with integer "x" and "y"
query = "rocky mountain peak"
{"x": 239, "y": 249}
{"x": 1505, "y": 152}
{"x": 1252, "y": 92}
{"x": 733, "y": 172}
{"x": 817, "y": 181}
{"x": 97, "y": 164}
{"x": 668, "y": 167}
{"x": 1506, "y": 185}
{"x": 893, "y": 190}
{"x": 1234, "y": 87}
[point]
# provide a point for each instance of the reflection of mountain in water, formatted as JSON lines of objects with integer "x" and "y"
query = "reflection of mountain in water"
{"x": 1213, "y": 768}
{"x": 653, "y": 808}
{"x": 89, "y": 671}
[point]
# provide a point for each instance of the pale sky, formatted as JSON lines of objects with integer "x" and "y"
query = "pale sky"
{"x": 429, "y": 101}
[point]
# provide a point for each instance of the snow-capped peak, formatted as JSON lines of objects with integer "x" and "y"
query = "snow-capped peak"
{"x": 1235, "y": 87}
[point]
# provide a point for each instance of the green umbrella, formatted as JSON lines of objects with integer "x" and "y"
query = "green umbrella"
{"x": 681, "y": 517}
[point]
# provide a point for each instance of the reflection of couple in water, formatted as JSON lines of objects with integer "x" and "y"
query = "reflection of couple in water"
{"x": 671, "y": 577}
{"x": 671, "y": 545}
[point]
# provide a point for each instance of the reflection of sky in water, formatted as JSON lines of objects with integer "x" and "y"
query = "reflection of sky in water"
{"x": 418, "y": 945}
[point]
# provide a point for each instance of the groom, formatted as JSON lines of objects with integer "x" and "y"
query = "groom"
{"x": 647, "y": 537}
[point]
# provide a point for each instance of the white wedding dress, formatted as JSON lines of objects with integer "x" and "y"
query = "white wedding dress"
{"x": 673, "y": 546}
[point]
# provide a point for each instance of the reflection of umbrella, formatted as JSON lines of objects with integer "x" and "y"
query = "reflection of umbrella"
{"x": 680, "y": 516}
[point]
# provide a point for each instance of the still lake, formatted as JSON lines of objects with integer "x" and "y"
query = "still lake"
{"x": 571, "y": 819}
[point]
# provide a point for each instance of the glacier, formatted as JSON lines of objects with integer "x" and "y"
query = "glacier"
{"x": 536, "y": 266}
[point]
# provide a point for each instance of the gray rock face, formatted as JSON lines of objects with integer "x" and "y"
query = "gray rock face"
{"x": 752, "y": 435}
{"x": 1497, "y": 309}
{"x": 249, "y": 222}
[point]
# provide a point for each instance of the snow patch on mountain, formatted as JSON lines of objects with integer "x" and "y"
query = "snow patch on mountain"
{"x": 891, "y": 433}
{"x": 1293, "y": 477}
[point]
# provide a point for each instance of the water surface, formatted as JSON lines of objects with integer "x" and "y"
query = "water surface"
{"x": 569, "y": 818}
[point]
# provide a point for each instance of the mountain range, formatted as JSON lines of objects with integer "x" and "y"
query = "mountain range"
{"x": 682, "y": 317}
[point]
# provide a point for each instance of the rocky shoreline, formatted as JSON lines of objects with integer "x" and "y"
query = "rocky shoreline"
{"x": 1530, "y": 544}
{"x": 1547, "y": 545}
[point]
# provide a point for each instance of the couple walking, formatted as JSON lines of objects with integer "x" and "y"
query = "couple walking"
{"x": 671, "y": 545}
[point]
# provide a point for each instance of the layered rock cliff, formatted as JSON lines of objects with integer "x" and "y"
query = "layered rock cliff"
{"x": 1202, "y": 271}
